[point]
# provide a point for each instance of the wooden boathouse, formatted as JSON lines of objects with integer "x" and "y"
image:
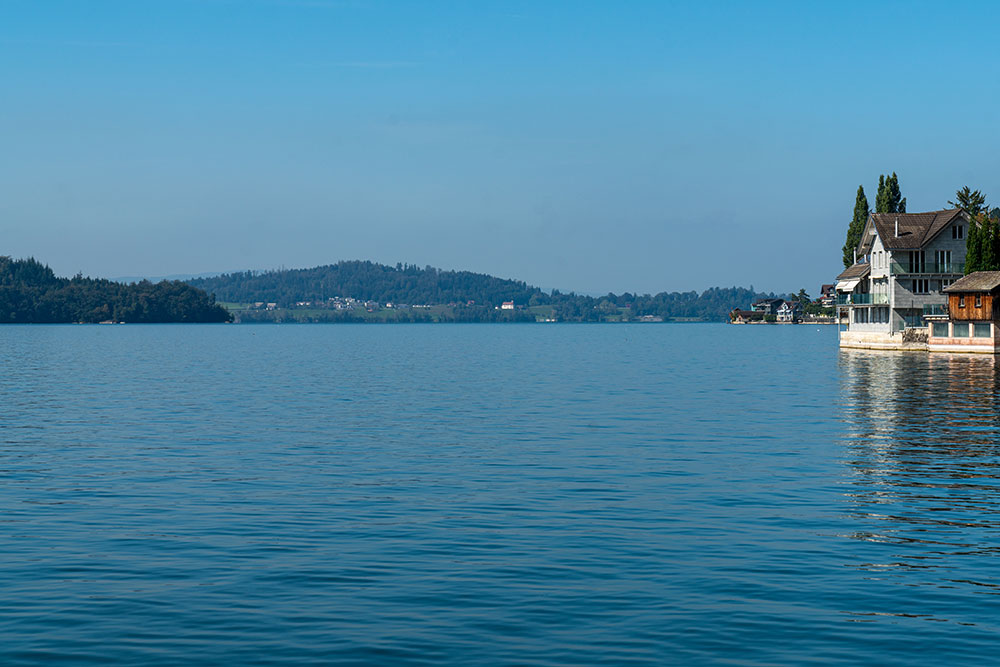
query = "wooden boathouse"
{"x": 972, "y": 320}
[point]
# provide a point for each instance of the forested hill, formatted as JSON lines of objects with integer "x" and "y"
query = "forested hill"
{"x": 31, "y": 293}
{"x": 366, "y": 281}
{"x": 407, "y": 284}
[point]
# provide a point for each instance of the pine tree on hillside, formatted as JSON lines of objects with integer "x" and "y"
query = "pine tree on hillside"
{"x": 857, "y": 226}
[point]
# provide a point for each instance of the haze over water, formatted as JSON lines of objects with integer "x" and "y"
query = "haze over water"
{"x": 563, "y": 494}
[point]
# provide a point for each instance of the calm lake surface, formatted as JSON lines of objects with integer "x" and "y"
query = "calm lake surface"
{"x": 493, "y": 494}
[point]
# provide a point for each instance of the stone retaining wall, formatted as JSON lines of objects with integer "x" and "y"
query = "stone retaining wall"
{"x": 910, "y": 340}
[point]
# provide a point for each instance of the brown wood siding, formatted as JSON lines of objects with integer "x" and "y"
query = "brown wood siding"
{"x": 970, "y": 312}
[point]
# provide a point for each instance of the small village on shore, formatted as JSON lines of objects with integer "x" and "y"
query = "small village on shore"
{"x": 797, "y": 309}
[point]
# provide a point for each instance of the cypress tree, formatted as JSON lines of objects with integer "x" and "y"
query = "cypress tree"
{"x": 985, "y": 243}
{"x": 888, "y": 199}
{"x": 882, "y": 196}
{"x": 857, "y": 226}
{"x": 893, "y": 197}
{"x": 982, "y": 242}
{"x": 990, "y": 241}
{"x": 994, "y": 263}
{"x": 973, "y": 247}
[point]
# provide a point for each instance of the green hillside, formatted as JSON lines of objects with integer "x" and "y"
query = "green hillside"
{"x": 458, "y": 296}
{"x": 31, "y": 293}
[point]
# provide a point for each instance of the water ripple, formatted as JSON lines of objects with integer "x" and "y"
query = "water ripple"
{"x": 470, "y": 494}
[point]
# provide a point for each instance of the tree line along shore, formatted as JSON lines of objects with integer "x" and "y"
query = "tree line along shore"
{"x": 348, "y": 291}
{"x": 364, "y": 291}
{"x": 30, "y": 293}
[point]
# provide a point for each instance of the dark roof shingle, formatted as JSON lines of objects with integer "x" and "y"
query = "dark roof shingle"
{"x": 915, "y": 229}
{"x": 980, "y": 281}
{"x": 859, "y": 270}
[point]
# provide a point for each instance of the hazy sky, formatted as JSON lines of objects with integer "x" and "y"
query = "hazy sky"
{"x": 588, "y": 146}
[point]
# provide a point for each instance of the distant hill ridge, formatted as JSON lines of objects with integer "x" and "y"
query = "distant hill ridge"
{"x": 410, "y": 284}
{"x": 365, "y": 280}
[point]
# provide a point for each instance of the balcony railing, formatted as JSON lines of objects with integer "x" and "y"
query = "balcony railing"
{"x": 862, "y": 299}
{"x": 922, "y": 268}
{"x": 935, "y": 309}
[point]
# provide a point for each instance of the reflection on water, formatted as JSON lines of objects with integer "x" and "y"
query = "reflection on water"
{"x": 924, "y": 470}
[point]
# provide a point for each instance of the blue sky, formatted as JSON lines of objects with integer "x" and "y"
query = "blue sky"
{"x": 589, "y": 146}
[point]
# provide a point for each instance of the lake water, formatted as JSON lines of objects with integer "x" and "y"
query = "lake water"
{"x": 495, "y": 494}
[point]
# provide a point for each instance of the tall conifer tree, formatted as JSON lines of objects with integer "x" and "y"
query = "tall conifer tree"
{"x": 973, "y": 254}
{"x": 990, "y": 253}
{"x": 979, "y": 237}
{"x": 882, "y": 196}
{"x": 989, "y": 260}
{"x": 857, "y": 226}
{"x": 893, "y": 195}
{"x": 888, "y": 199}
{"x": 969, "y": 200}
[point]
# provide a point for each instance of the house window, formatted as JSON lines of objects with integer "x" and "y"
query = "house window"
{"x": 979, "y": 301}
{"x": 961, "y": 330}
{"x": 943, "y": 260}
{"x": 939, "y": 329}
{"x": 981, "y": 330}
{"x": 958, "y": 231}
{"x": 921, "y": 286}
{"x": 961, "y": 301}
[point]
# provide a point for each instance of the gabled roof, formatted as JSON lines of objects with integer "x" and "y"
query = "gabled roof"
{"x": 859, "y": 270}
{"x": 980, "y": 281}
{"x": 915, "y": 229}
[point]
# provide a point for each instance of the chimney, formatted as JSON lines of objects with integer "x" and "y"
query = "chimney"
{"x": 855, "y": 255}
{"x": 897, "y": 226}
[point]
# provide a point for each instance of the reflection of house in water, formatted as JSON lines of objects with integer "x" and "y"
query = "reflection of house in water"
{"x": 923, "y": 463}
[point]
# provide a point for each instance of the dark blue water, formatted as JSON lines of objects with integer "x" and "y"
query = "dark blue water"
{"x": 505, "y": 494}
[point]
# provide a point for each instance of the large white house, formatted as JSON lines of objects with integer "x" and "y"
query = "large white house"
{"x": 903, "y": 261}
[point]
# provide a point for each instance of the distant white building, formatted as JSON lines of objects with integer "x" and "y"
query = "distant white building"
{"x": 790, "y": 311}
{"x": 507, "y": 305}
